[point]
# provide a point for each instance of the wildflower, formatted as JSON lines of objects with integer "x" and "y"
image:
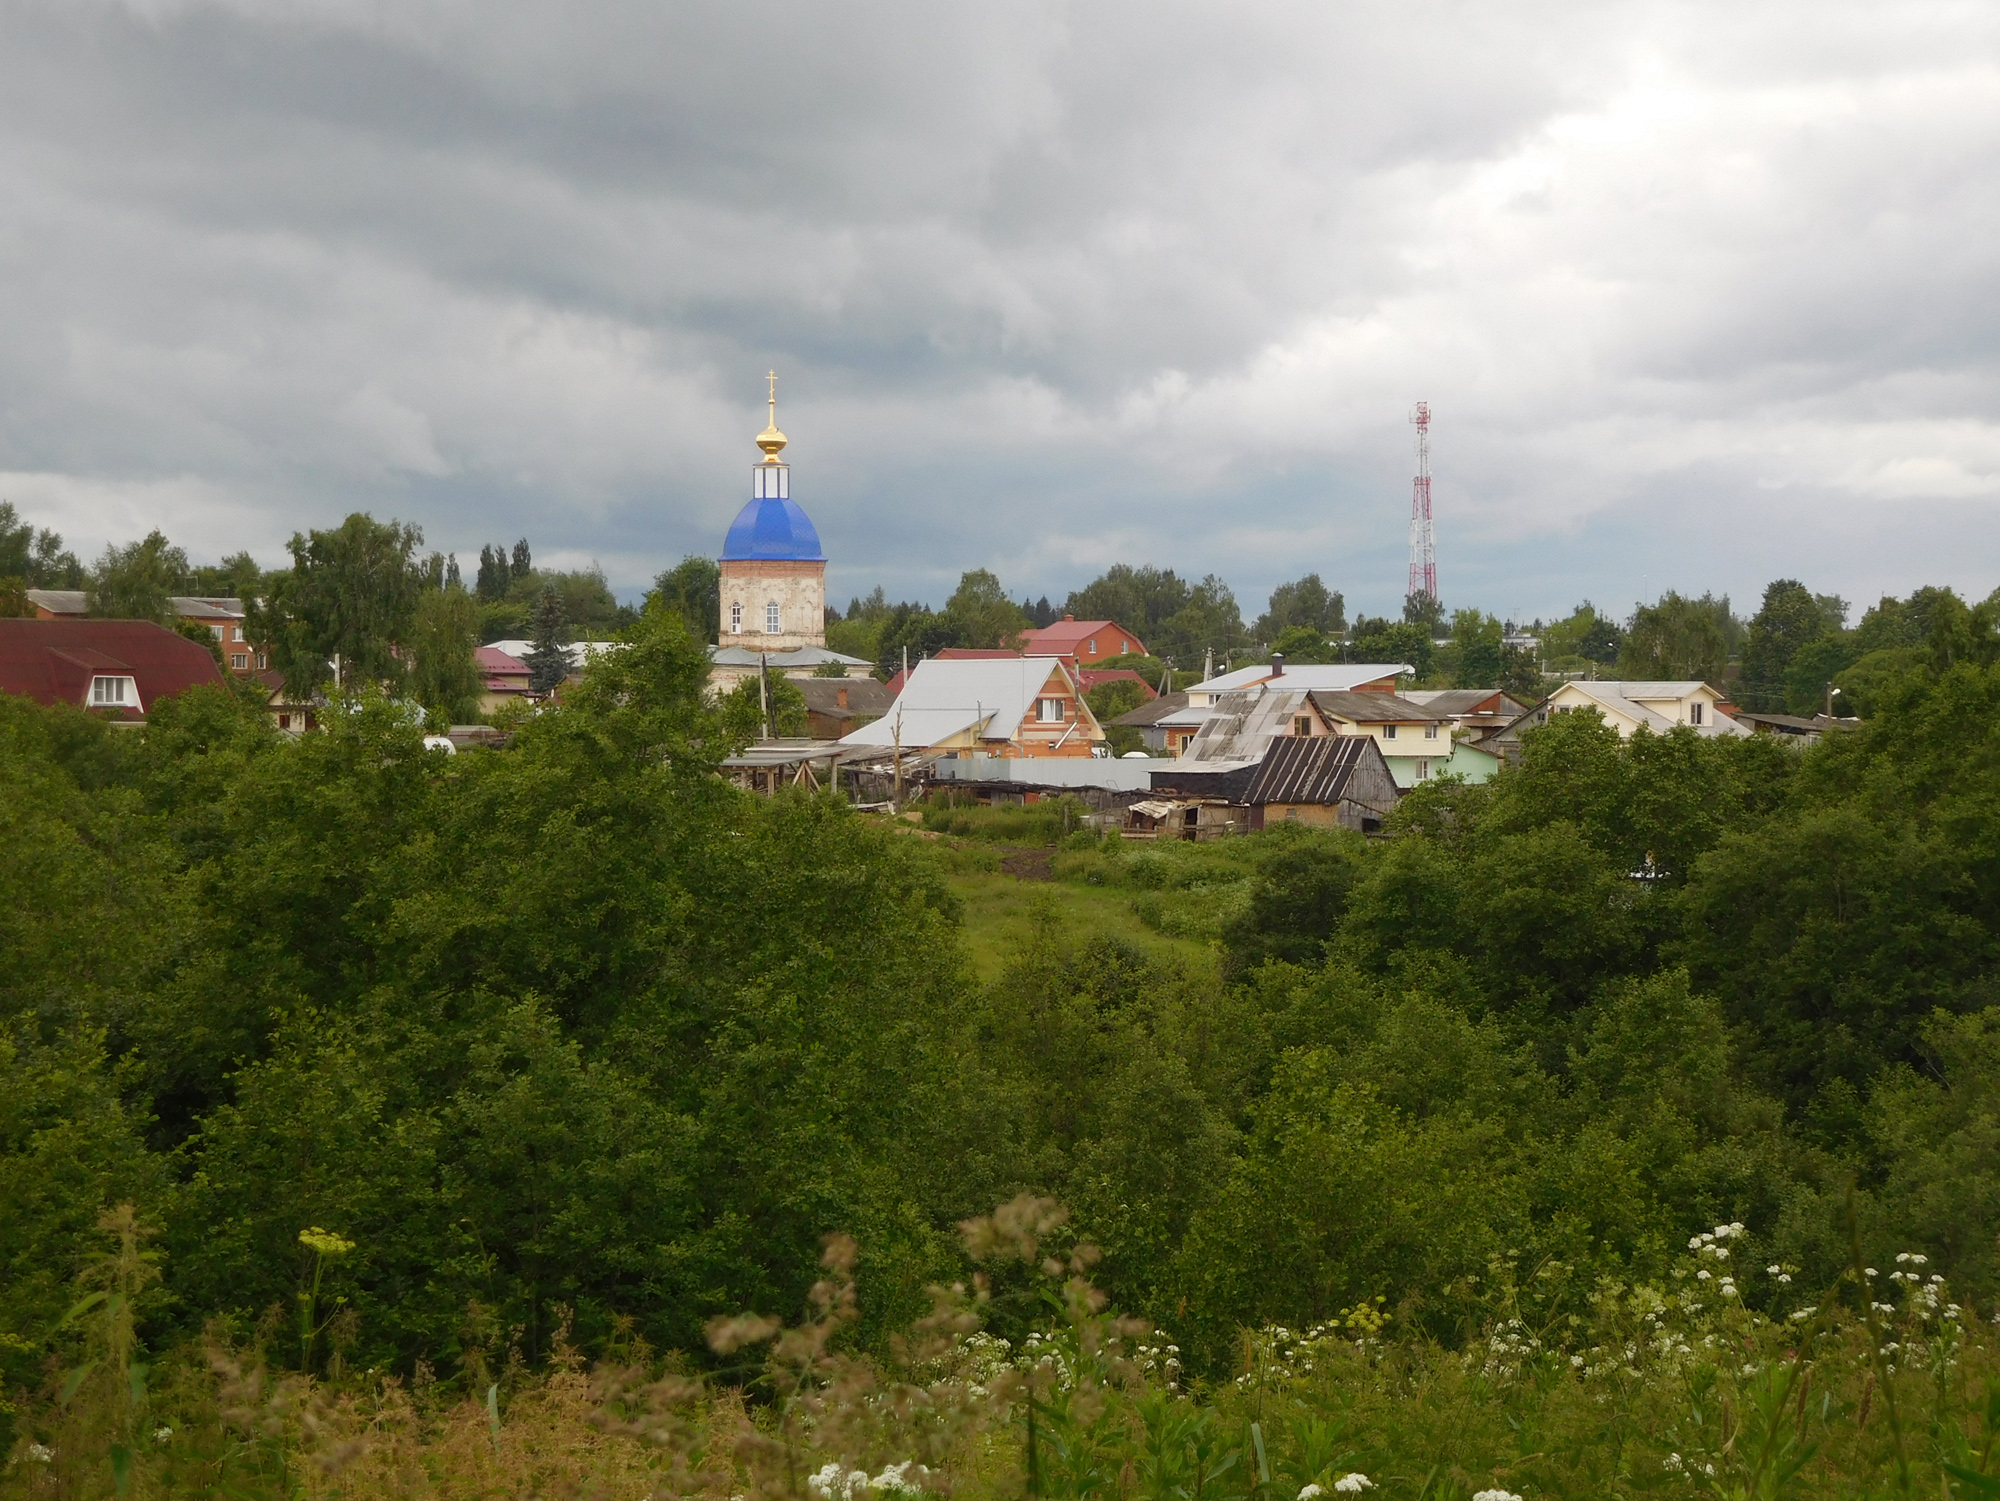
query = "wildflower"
{"x": 1774, "y": 1269}
{"x": 1495, "y": 1495}
{"x": 1577, "y": 1361}
{"x": 1785, "y": 1277}
{"x": 896, "y": 1477}
{"x": 1728, "y": 1289}
{"x": 162, "y": 1435}
{"x": 1703, "y": 1274}
{"x": 1354, "y": 1483}
{"x": 325, "y": 1242}
{"x": 1309, "y": 1492}
{"x": 41, "y": 1454}
{"x": 1671, "y": 1462}
{"x": 1870, "y": 1271}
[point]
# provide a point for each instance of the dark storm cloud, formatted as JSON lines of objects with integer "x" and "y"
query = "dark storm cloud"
{"x": 1700, "y": 293}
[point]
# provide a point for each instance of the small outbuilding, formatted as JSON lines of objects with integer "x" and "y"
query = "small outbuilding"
{"x": 1325, "y": 781}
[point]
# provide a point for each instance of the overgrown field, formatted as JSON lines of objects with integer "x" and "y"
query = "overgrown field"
{"x": 441, "y": 1089}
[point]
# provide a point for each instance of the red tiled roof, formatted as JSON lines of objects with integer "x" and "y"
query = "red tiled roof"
{"x": 53, "y": 661}
{"x": 1065, "y": 636}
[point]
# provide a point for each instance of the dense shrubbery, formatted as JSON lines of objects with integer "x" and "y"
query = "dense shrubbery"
{"x": 576, "y": 1036}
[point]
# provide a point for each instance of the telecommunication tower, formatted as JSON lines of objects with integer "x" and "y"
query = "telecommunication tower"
{"x": 1423, "y": 540}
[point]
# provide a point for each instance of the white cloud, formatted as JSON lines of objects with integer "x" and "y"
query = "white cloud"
{"x": 1700, "y": 293}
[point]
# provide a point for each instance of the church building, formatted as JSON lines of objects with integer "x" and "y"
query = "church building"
{"x": 773, "y": 571}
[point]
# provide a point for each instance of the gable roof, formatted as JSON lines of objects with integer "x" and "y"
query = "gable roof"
{"x": 1149, "y": 714}
{"x": 946, "y": 697}
{"x": 187, "y": 606}
{"x": 1310, "y": 768}
{"x": 1632, "y": 700}
{"x": 1065, "y": 636}
{"x": 53, "y": 661}
{"x": 1239, "y": 726}
{"x": 864, "y": 696}
{"x": 1332, "y": 676}
{"x": 1453, "y": 702}
{"x": 1373, "y": 708}
{"x": 781, "y": 661}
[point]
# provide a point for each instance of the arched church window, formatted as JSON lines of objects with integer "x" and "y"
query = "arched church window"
{"x": 736, "y": 617}
{"x": 771, "y": 626}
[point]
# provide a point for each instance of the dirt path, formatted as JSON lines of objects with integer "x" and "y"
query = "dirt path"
{"x": 1029, "y": 865}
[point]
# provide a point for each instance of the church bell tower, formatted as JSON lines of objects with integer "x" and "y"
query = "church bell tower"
{"x": 773, "y": 571}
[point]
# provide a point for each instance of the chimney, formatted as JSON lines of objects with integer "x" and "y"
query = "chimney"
{"x": 1277, "y": 664}
{"x": 1070, "y": 618}
{"x": 840, "y": 697}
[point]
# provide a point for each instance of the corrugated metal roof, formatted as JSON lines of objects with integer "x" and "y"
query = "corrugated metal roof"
{"x": 946, "y": 698}
{"x": 1309, "y": 768}
{"x": 1333, "y": 676}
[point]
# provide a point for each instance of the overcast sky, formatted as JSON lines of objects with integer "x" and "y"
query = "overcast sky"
{"x": 1700, "y": 295}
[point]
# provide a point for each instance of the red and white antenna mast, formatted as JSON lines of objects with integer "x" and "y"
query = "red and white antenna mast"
{"x": 1423, "y": 540}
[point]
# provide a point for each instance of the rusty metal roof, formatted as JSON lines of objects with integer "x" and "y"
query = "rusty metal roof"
{"x": 1309, "y": 768}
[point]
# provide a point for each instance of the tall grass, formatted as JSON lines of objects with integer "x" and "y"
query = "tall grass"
{"x": 1722, "y": 1381}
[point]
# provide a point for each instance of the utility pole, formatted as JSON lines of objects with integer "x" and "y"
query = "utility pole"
{"x": 896, "y": 798}
{"x": 764, "y": 690}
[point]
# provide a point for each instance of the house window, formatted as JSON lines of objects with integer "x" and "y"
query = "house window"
{"x": 262, "y": 661}
{"x": 239, "y": 661}
{"x": 771, "y": 618}
{"x": 1388, "y": 732}
{"x": 1049, "y": 710}
{"x": 1423, "y": 771}
{"x": 1302, "y": 725}
{"x": 236, "y": 633}
{"x": 1430, "y": 732}
{"x": 1093, "y": 646}
{"x": 1694, "y": 712}
{"x": 114, "y": 693}
{"x": 1125, "y": 648}
{"x": 216, "y": 631}
{"x": 736, "y": 618}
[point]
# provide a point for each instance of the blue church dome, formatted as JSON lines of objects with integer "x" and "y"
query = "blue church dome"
{"x": 772, "y": 528}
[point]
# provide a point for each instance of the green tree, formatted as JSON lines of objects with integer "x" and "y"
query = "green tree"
{"x": 350, "y": 596}
{"x": 756, "y": 701}
{"x": 548, "y": 663}
{"x": 991, "y": 620}
{"x": 1305, "y": 602}
{"x": 445, "y": 676}
{"x": 1301, "y": 643}
{"x": 1788, "y": 621}
{"x": 35, "y": 559}
{"x": 236, "y": 577}
{"x": 1140, "y": 599}
{"x": 494, "y": 575}
{"x": 137, "y": 581}
{"x": 1379, "y": 640}
{"x": 1209, "y": 621}
{"x": 1677, "y": 639}
{"x": 1424, "y": 610}
{"x": 921, "y": 631}
{"x": 692, "y": 588}
{"x": 1474, "y": 657}
{"x": 1109, "y": 700}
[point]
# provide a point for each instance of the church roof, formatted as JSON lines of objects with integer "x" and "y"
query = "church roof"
{"x": 772, "y": 528}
